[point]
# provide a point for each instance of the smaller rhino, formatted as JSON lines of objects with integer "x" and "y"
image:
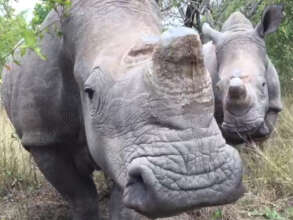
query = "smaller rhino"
{"x": 245, "y": 82}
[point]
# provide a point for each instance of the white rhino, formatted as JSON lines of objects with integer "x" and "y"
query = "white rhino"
{"x": 117, "y": 95}
{"x": 245, "y": 82}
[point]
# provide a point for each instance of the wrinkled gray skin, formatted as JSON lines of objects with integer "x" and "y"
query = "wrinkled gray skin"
{"x": 115, "y": 94}
{"x": 245, "y": 82}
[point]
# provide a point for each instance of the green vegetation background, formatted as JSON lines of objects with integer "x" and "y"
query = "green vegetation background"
{"x": 269, "y": 172}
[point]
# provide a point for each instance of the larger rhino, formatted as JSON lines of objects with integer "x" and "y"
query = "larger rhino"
{"x": 245, "y": 82}
{"x": 117, "y": 95}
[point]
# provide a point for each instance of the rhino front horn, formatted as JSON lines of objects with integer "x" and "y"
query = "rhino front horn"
{"x": 178, "y": 65}
{"x": 178, "y": 57}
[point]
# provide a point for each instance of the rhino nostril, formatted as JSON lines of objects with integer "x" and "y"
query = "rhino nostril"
{"x": 136, "y": 193}
{"x": 135, "y": 179}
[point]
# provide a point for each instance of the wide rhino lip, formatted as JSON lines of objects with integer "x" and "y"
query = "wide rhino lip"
{"x": 257, "y": 135}
{"x": 239, "y": 133}
{"x": 146, "y": 193}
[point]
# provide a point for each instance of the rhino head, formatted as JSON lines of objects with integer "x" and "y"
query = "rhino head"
{"x": 129, "y": 100}
{"x": 153, "y": 130}
{"x": 246, "y": 84}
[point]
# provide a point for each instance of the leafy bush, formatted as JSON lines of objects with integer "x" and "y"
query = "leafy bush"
{"x": 16, "y": 33}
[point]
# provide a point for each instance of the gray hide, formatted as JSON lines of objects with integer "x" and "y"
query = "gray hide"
{"x": 116, "y": 95}
{"x": 245, "y": 82}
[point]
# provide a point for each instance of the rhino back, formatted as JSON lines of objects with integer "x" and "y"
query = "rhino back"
{"x": 41, "y": 96}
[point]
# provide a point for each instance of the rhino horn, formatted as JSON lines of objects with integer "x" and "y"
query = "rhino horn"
{"x": 178, "y": 65}
{"x": 177, "y": 45}
{"x": 237, "y": 89}
{"x": 213, "y": 34}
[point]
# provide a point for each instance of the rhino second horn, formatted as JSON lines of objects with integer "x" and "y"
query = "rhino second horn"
{"x": 213, "y": 34}
{"x": 237, "y": 89}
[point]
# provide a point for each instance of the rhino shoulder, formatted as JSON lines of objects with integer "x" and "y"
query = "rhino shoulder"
{"x": 41, "y": 97}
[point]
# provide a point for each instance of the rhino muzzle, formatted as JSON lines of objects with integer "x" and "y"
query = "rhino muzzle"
{"x": 161, "y": 185}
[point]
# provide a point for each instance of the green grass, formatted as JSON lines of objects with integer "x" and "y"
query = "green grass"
{"x": 268, "y": 176}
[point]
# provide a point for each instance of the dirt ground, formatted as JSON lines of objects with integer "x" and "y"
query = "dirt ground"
{"x": 44, "y": 203}
{"x": 39, "y": 204}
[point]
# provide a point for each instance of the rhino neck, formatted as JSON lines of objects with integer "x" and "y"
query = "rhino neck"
{"x": 105, "y": 32}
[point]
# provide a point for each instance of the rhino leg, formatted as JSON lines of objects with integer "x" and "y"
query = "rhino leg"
{"x": 117, "y": 210}
{"x": 59, "y": 167}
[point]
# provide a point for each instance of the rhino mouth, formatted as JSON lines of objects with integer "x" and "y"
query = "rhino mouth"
{"x": 244, "y": 132}
{"x": 161, "y": 185}
{"x": 243, "y": 127}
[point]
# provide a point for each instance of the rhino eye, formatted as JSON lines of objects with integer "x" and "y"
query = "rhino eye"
{"x": 90, "y": 92}
{"x": 263, "y": 84}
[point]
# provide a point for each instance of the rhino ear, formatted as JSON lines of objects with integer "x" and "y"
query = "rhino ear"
{"x": 274, "y": 89}
{"x": 211, "y": 33}
{"x": 271, "y": 20}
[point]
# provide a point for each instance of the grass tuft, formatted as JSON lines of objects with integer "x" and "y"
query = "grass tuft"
{"x": 17, "y": 170}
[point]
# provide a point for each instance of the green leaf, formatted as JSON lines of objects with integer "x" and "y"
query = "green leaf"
{"x": 16, "y": 62}
{"x": 217, "y": 215}
{"x": 60, "y": 34}
{"x": 39, "y": 53}
{"x": 29, "y": 38}
{"x": 23, "y": 50}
